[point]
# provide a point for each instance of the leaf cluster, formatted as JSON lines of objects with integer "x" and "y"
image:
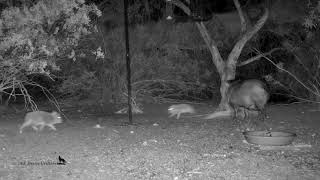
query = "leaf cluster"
{"x": 38, "y": 35}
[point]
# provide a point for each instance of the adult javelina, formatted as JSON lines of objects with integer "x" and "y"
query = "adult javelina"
{"x": 248, "y": 95}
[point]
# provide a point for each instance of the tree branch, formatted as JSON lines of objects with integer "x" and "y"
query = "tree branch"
{"x": 212, "y": 45}
{"x": 181, "y": 5}
{"x": 216, "y": 57}
{"x": 244, "y": 23}
{"x": 235, "y": 53}
{"x": 248, "y": 61}
{"x": 237, "y": 49}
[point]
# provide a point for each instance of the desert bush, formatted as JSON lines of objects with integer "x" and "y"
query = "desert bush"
{"x": 79, "y": 85}
{"x": 35, "y": 36}
{"x": 293, "y": 69}
{"x": 312, "y": 20}
{"x": 302, "y": 43}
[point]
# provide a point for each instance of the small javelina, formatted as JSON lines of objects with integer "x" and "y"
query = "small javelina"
{"x": 179, "y": 109}
{"x": 41, "y": 119}
{"x": 249, "y": 95}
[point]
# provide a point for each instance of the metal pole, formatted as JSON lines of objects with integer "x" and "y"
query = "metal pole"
{"x": 128, "y": 59}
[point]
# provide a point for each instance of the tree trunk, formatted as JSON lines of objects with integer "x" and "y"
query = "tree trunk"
{"x": 224, "y": 105}
{"x": 228, "y": 73}
{"x": 226, "y": 69}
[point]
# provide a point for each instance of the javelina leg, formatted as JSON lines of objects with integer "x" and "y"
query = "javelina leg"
{"x": 263, "y": 119}
{"x": 178, "y": 115}
{"x": 35, "y": 128}
{"x": 264, "y": 114}
{"x": 254, "y": 119}
{"x": 235, "y": 111}
{"x": 235, "y": 115}
{"x": 246, "y": 113}
{"x": 248, "y": 119}
{"x": 22, "y": 127}
{"x": 171, "y": 114}
{"x": 240, "y": 118}
{"x": 252, "y": 109}
{"x": 52, "y": 127}
{"x": 41, "y": 127}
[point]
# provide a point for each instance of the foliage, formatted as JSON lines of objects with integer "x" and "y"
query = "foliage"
{"x": 305, "y": 70}
{"x": 312, "y": 21}
{"x": 146, "y": 10}
{"x": 159, "y": 62}
{"x": 79, "y": 84}
{"x": 142, "y": 11}
{"x": 33, "y": 38}
{"x": 294, "y": 70}
{"x": 36, "y": 36}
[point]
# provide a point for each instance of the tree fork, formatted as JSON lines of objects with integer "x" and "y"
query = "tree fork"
{"x": 226, "y": 69}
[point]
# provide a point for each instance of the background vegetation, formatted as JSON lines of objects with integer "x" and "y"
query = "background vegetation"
{"x": 75, "y": 49}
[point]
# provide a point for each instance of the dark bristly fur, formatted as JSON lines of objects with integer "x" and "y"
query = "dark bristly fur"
{"x": 249, "y": 95}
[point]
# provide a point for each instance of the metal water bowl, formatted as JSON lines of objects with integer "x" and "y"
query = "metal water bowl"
{"x": 270, "y": 138}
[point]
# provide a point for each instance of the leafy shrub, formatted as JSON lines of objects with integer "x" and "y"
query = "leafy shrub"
{"x": 33, "y": 38}
{"x": 79, "y": 85}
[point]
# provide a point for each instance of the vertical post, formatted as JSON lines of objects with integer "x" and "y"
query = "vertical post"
{"x": 128, "y": 59}
{"x": 169, "y": 10}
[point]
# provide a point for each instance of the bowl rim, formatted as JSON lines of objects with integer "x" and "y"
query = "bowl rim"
{"x": 284, "y": 139}
{"x": 289, "y": 134}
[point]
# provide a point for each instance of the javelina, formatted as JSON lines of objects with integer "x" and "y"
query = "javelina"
{"x": 179, "y": 109}
{"x": 248, "y": 95}
{"x": 41, "y": 119}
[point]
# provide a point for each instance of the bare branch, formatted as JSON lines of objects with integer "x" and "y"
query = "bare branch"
{"x": 258, "y": 57}
{"x": 212, "y": 45}
{"x": 216, "y": 57}
{"x": 180, "y": 5}
{"x": 295, "y": 77}
{"x": 235, "y": 53}
{"x": 244, "y": 23}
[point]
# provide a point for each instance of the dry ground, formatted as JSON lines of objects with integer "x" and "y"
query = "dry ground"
{"x": 157, "y": 147}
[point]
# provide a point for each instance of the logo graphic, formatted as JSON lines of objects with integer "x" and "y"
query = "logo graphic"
{"x": 61, "y": 161}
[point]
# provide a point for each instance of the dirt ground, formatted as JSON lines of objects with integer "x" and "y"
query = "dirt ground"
{"x": 158, "y": 147}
